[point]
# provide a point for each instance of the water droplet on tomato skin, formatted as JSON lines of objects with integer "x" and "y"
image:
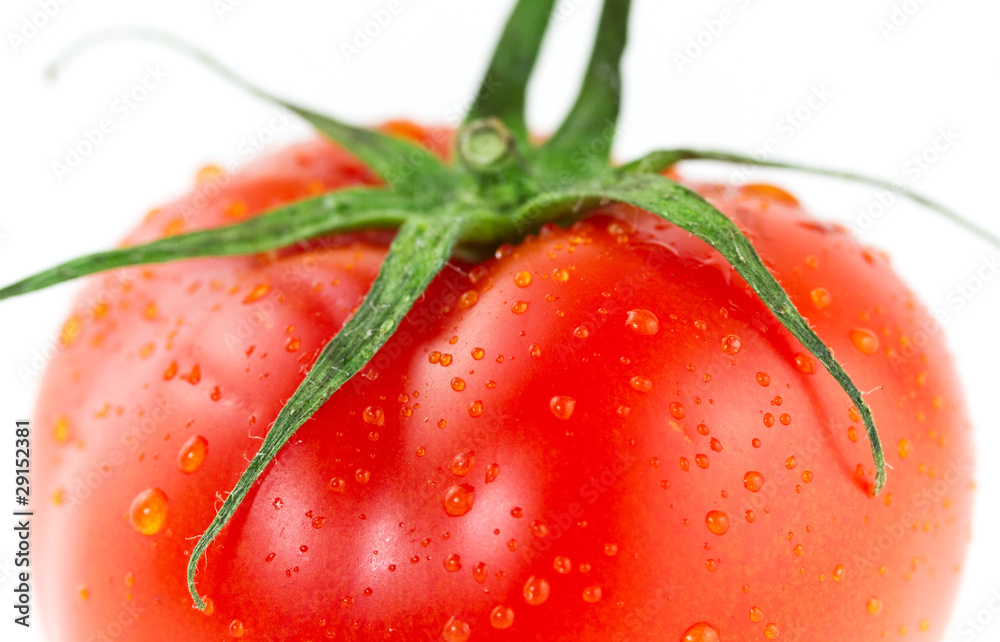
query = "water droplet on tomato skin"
{"x": 731, "y": 344}
{"x": 562, "y": 565}
{"x": 458, "y": 384}
{"x": 522, "y": 279}
{"x": 519, "y": 307}
{"x": 821, "y": 298}
{"x": 805, "y": 363}
{"x": 677, "y": 410}
{"x": 337, "y": 484}
{"x": 148, "y": 511}
{"x": 479, "y": 572}
{"x": 463, "y": 463}
{"x": 192, "y": 454}
{"x": 592, "y": 594}
{"x": 642, "y": 322}
{"x": 373, "y": 415}
{"x": 236, "y": 629}
{"x": 453, "y": 563}
{"x": 874, "y": 606}
{"x": 458, "y": 500}
{"x": 756, "y": 615}
{"x": 492, "y": 473}
{"x": 717, "y": 522}
{"x": 536, "y": 590}
{"x": 362, "y": 476}
{"x": 753, "y": 481}
{"x": 641, "y": 383}
{"x": 701, "y": 632}
{"x": 501, "y": 617}
{"x": 319, "y": 522}
{"x": 562, "y": 406}
{"x": 455, "y": 630}
{"x": 864, "y": 340}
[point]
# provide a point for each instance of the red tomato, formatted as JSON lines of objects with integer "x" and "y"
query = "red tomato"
{"x": 600, "y": 434}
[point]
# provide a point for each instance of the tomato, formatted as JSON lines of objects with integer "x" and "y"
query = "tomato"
{"x": 599, "y": 434}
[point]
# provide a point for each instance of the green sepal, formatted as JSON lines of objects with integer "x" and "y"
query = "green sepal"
{"x": 420, "y": 250}
{"x": 658, "y": 161}
{"x": 689, "y": 211}
{"x": 340, "y": 211}
{"x": 582, "y": 144}
{"x": 406, "y": 166}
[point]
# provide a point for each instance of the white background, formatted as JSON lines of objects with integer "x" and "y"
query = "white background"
{"x": 891, "y": 94}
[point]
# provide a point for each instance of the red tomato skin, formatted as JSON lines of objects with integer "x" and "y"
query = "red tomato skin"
{"x": 623, "y": 451}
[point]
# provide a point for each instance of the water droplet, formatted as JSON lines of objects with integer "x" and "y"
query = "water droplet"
{"x": 373, "y": 415}
{"x": 479, "y": 572}
{"x": 277, "y": 503}
{"x": 642, "y": 322}
{"x": 611, "y": 550}
{"x": 458, "y": 384}
{"x": 715, "y": 445}
{"x": 785, "y": 419}
{"x": 192, "y": 454}
{"x": 874, "y": 606}
{"x": 751, "y": 516}
{"x": 903, "y": 449}
{"x": 362, "y": 476}
{"x": 560, "y": 274}
{"x": 520, "y": 307}
{"x": 581, "y": 332}
{"x": 592, "y": 594}
{"x": 536, "y": 590}
{"x": 458, "y": 500}
{"x": 319, "y": 522}
{"x": 790, "y": 462}
{"x": 562, "y": 564}
{"x": 236, "y": 629}
{"x": 755, "y": 442}
{"x": 463, "y": 463}
{"x": 539, "y": 529}
{"x": 756, "y": 615}
{"x": 768, "y": 419}
{"x": 453, "y": 563}
{"x": 731, "y": 344}
{"x": 701, "y": 461}
{"x": 807, "y": 476}
{"x": 455, "y": 630}
{"x": 337, "y": 484}
{"x": 677, "y": 410}
{"x": 502, "y": 617}
{"x": 864, "y": 340}
{"x": 522, "y": 279}
{"x": 702, "y": 632}
{"x": 717, "y": 522}
{"x": 478, "y": 353}
{"x": 838, "y": 573}
{"x": 821, "y": 298}
{"x": 562, "y": 406}
{"x": 468, "y": 299}
{"x": 753, "y": 481}
{"x": 492, "y": 472}
{"x": 148, "y": 511}
{"x": 535, "y": 351}
{"x": 805, "y": 363}
{"x": 641, "y": 383}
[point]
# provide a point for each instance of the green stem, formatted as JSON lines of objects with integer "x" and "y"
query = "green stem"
{"x": 418, "y": 253}
{"x": 689, "y": 211}
{"x": 659, "y": 161}
{"x": 503, "y": 89}
{"x": 343, "y": 211}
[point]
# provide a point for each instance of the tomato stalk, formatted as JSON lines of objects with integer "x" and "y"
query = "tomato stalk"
{"x": 501, "y": 188}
